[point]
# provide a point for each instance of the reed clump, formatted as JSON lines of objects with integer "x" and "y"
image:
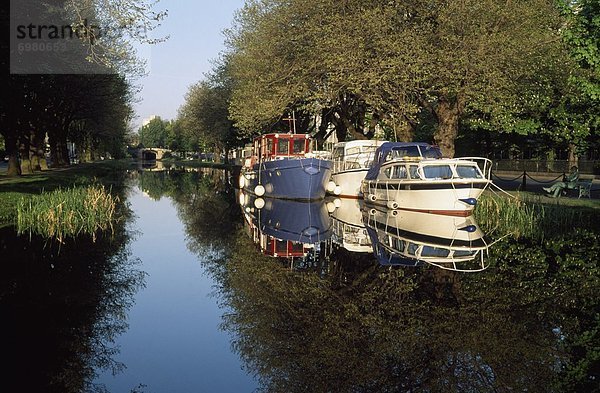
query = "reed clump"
{"x": 526, "y": 218}
{"x": 67, "y": 212}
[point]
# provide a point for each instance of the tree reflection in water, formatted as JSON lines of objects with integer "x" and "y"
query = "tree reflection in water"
{"x": 341, "y": 322}
{"x": 517, "y": 326}
{"x": 62, "y": 305}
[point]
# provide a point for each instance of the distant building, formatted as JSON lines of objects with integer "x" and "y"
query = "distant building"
{"x": 148, "y": 120}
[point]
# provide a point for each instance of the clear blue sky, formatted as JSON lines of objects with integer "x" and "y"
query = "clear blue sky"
{"x": 196, "y": 35}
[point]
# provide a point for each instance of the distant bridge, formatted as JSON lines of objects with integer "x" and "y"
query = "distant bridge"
{"x": 152, "y": 153}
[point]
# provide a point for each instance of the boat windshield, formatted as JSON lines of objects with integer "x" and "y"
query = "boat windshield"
{"x": 415, "y": 151}
{"x": 403, "y": 152}
{"x": 431, "y": 152}
{"x": 468, "y": 172}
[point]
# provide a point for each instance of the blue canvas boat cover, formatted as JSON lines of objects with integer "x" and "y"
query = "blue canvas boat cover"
{"x": 410, "y": 149}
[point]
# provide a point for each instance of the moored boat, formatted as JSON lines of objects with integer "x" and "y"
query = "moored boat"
{"x": 351, "y": 161}
{"x": 414, "y": 176}
{"x": 282, "y": 166}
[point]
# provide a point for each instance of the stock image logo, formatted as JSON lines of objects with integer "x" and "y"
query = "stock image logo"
{"x": 45, "y": 41}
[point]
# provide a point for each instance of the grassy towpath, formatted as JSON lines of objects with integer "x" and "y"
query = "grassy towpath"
{"x": 12, "y": 189}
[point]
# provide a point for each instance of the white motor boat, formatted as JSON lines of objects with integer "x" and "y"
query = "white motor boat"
{"x": 351, "y": 161}
{"x": 415, "y": 177}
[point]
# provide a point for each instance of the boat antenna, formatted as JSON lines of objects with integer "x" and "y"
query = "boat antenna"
{"x": 292, "y": 122}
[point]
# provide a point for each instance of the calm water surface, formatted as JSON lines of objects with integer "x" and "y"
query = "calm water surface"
{"x": 173, "y": 343}
{"x": 195, "y": 293}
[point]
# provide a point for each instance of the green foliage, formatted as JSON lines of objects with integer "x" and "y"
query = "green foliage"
{"x": 397, "y": 59}
{"x": 204, "y": 117}
{"x": 154, "y": 134}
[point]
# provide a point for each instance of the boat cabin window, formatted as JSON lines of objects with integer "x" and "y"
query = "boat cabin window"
{"x": 437, "y": 171}
{"x": 338, "y": 153}
{"x": 298, "y": 146}
{"x": 414, "y": 172}
{"x": 396, "y": 172}
{"x": 468, "y": 172}
{"x": 267, "y": 148}
{"x": 283, "y": 147}
{"x": 297, "y": 248}
{"x": 281, "y": 246}
{"x": 397, "y": 244}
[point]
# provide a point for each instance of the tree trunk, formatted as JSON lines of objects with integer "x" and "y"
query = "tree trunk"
{"x": 35, "y": 146}
{"x": 24, "y": 147}
{"x": 405, "y": 132}
{"x": 14, "y": 168}
{"x": 59, "y": 158}
{"x": 448, "y": 116}
{"x": 573, "y": 159}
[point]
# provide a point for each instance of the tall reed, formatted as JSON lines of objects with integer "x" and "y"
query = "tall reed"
{"x": 67, "y": 212}
{"x": 529, "y": 218}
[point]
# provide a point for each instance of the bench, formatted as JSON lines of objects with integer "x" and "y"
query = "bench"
{"x": 582, "y": 188}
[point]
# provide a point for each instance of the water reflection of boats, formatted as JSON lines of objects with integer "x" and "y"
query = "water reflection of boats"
{"x": 282, "y": 166}
{"x": 348, "y": 228}
{"x": 414, "y": 238}
{"x": 285, "y": 228}
{"x": 414, "y": 176}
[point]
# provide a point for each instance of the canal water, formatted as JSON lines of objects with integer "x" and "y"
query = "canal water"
{"x": 204, "y": 288}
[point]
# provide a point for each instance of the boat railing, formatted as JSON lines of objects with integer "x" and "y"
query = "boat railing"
{"x": 485, "y": 164}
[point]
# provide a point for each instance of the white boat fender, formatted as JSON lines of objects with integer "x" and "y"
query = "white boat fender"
{"x": 337, "y": 190}
{"x": 392, "y": 205}
{"x": 393, "y": 213}
{"x": 331, "y": 186}
{"x": 372, "y": 211}
{"x": 259, "y": 203}
{"x": 337, "y": 202}
{"x": 242, "y": 181}
{"x": 372, "y": 197}
{"x": 259, "y": 190}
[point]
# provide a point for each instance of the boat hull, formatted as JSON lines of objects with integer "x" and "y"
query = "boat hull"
{"x": 349, "y": 183}
{"x": 456, "y": 198}
{"x": 298, "y": 179}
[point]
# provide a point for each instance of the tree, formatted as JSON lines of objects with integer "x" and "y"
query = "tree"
{"x": 205, "y": 113}
{"x": 153, "y": 134}
{"x": 91, "y": 109}
{"x": 395, "y": 59}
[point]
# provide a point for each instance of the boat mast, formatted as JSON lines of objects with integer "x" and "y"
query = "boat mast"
{"x": 292, "y": 122}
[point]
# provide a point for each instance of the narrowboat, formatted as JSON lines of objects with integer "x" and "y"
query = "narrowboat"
{"x": 283, "y": 166}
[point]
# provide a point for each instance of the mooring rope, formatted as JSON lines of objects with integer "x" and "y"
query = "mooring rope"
{"x": 492, "y": 183}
